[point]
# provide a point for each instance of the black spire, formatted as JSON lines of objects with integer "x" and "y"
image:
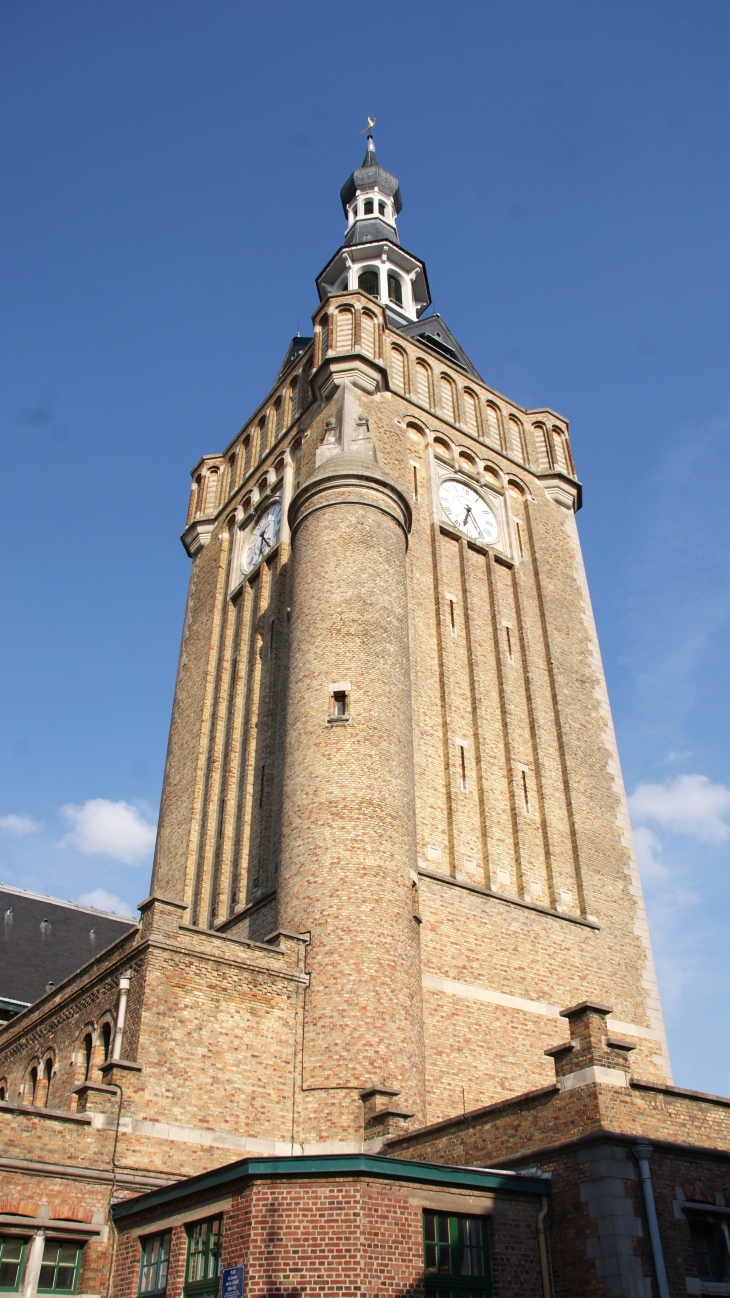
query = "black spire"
{"x": 371, "y": 179}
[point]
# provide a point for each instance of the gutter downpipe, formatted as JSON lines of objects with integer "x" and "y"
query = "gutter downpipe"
{"x": 643, "y": 1154}
{"x": 542, "y": 1246}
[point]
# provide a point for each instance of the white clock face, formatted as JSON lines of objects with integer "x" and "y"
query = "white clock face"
{"x": 468, "y": 511}
{"x": 264, "y": 536}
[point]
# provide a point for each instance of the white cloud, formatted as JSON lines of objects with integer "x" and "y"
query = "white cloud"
{"x": 100, "y": 899}
{"x": 113, "y": 829}
{"x": 689, "y": 804}
{"x": 19, "y": 825}
{"x": 648, "y": 847}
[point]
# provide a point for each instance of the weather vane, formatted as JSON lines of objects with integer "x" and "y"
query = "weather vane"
{"x": 370, "y": 125}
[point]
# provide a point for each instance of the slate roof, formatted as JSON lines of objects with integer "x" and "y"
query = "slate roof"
{"x": 368, "y": 175}
{"x": 293, "y": 352}
{"x": 432, "y": 331}
{"x": 44, "y": 939}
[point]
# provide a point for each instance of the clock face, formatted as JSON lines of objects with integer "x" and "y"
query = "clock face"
{"x": 264, "y": 536}
{"x": 468, "y": 511}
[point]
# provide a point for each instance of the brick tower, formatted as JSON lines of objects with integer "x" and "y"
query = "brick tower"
{"x": 393, "y": 837}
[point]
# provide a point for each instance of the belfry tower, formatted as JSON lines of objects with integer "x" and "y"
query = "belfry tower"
{"x": 393, "y": 837}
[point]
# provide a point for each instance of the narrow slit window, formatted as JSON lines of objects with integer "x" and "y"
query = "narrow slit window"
{"x": 510, "y": 654}
{"x": 452, "y": 615}
{"x": 415, "y": 483}
{"x": 261, "y": 786}
{"x": 340, "y": 701}
{"x": 464, "y": 782}
{"x": 272, "y": 632}
{"x": 525, "y": 793}
{"x": 520, "y": 546}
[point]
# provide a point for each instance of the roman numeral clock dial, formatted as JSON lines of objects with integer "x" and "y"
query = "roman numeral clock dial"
{"x": 465, "y": 508}
{"x": 264, "y": 536}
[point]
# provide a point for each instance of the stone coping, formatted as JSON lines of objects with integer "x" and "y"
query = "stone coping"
{"x": 505, "y": 896}
{"x": 376, "y": 1166}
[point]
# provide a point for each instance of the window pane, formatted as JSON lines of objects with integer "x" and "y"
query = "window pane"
{"x": 11, "y": 1255}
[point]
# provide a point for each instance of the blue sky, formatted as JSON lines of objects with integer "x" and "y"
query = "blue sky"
{"x": 171, "y": 175}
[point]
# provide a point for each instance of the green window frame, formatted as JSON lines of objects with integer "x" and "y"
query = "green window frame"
{"x": 203, "y": 1263}
{"x": 368, "y": 281}
{"x": 60, "y": 1267}
{"x": 711, "y": 1246}
{"x": 12, "y": 1261}
{"x": 154, "y": 1263}
{"x": 456, "y": 1256}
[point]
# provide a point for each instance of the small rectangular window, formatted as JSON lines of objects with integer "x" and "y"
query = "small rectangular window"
{"x": 381, "y": 208}
{"x": 710, "y": 1250}
{"x": 12, "y": 1257}
{"x": 204, "y": 1259}
{"x": 154, "y": 1264}
{"x": 60, "y": 1267}
{"x": 456, "y": 1255}
{"x": 367, "y": 207}
{"x": 340, "y": 704}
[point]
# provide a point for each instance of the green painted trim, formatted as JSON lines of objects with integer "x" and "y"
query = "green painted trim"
{"x": 374, "y": 1165}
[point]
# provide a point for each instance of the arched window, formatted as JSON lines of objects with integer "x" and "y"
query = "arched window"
{"x": 44, "y": 1085}
{"x": 448, "y": 398}
{"x": 542, "y": 442}
{"x": 231, "y": 472}
{"x": 395, "y": 290}
{"x": 467, "y": 460}
{"x": 31, "y": 1085}
{"x": 562, "y": 454}
{"x": 211, "y": 491}
{"x": 3, "y": 1091}
{"x": 295, "y": 450}
{"x": 442, "y": 446}
{"x": 368, "y": 281}
{"x": 106, "y": 1039}
{"x": 398, "y": 369}
{"x": 278, "y": 416}
{"x": 471, "y": 418}
{"x": 423, "y": 383}
{"x": 368, "y": 333}
{"x": 493, "y": 431}
{"x": 198, "y": 486}
{"x": 515, "y": 436}
{"x": 293, "y": 399}
{"x": 262, "y": 437}
{"x": 345, "y": 335}
{"x": 279, "y": 467}
{"x": 324, "y": 329}
{"x": 367, "y": 207}
{"x": 246, "y": 448}
{"x": 192, "y": 507}
{"x": 88, "y": 1050}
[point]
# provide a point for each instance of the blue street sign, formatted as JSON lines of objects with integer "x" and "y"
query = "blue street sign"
{"x": 232, "y": 1278}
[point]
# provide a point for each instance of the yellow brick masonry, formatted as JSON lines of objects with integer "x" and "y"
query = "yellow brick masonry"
{"x": 522, "y": 905}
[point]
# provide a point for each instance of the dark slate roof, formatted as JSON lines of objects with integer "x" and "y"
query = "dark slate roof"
{"x": 369, "y": 174}
{"x": 432, "y": 331}
{"x": 293, "y": 352}
{"x": 370, "y": 229}
{"x": 43, "y": 940}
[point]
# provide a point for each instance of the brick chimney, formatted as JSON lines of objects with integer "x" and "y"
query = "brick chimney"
{"x": 594, "y": 1053}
